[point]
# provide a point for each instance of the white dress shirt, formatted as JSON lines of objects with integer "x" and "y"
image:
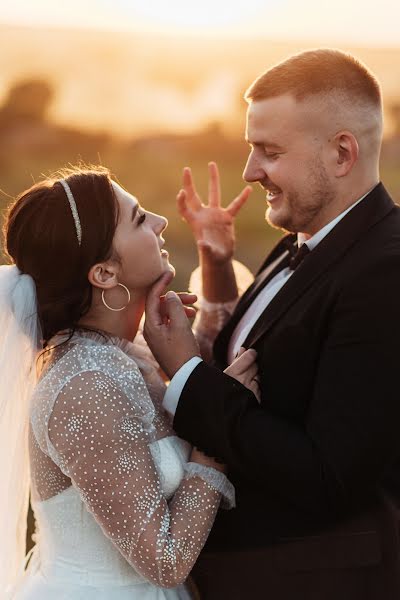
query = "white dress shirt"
{"x": 250, "y": 317}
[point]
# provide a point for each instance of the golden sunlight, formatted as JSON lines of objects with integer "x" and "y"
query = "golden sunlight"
{"x": 207, "y": 14}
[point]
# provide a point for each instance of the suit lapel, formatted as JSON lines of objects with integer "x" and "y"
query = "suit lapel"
{"x": 260, "y": 282}
{"x": 277, "y": 260}
{"x": 356, "y": 223}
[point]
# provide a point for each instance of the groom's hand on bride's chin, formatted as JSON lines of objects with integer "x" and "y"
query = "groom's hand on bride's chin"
{"x": 167, "y": 329}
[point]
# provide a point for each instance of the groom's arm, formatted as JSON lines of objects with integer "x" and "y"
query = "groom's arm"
{"x": 350, "y": 436}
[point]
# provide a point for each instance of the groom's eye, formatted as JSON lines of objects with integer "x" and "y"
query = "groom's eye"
{"x": 141, "y": 218}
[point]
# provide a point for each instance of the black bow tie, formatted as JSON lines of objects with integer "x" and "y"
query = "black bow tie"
{"x": 298, "y": 255}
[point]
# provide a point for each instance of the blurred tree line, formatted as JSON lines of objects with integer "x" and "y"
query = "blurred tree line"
{"x": 150, "y": 167}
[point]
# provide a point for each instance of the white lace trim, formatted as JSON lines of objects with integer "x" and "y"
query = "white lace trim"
{"x": 215, "y": 479}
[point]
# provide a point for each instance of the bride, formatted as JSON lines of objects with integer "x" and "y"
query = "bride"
{"x": 122, "y": 506}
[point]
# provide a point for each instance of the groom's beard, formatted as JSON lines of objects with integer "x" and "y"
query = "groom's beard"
{"x": 300, "y": 208}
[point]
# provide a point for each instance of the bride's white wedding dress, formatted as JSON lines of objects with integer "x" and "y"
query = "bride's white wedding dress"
{"x": 120, "y": 513}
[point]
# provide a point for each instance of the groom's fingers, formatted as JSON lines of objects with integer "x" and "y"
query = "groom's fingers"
{"x": 153, "y": 312}
{"x": 174, "y": 309}
{"x": 238, "y": 202}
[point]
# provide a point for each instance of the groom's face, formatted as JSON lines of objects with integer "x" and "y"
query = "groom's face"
{"x": 288, "y": 148}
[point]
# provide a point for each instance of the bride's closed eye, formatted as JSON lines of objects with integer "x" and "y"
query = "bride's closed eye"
{"x": 141, "y": 218}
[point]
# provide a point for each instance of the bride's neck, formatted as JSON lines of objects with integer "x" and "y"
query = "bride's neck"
{"x": 122, "y": 324}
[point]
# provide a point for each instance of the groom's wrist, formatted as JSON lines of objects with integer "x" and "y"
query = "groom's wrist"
{"x": 174, "y": 367}
{"x": 177, "y": 384}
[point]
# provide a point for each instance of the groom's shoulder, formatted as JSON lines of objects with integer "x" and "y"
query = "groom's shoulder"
{"x": 385, "y": 235}
{"x": 376, "y": 223}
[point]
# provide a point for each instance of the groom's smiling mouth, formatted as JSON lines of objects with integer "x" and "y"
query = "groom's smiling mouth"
{"x": 273, "y": 194}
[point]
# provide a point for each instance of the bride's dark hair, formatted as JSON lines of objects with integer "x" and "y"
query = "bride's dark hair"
{"x": 40, "y": 238}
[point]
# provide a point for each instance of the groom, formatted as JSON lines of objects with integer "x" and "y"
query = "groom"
{"x": 316, "y": 463}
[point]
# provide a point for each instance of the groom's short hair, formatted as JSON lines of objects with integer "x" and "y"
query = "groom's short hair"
{"x": 319, "y": 72}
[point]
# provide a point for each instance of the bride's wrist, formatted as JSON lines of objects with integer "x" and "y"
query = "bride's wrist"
{"x": 206, "y": 461}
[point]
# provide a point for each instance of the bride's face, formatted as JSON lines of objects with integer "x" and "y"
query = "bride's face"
{"x": 138, "y": 242}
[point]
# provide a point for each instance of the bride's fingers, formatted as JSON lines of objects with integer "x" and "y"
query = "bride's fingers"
{"x": 251, "y": 373}
{"x": 190, "y": 312}
{"x": 255, "y": 388}
{"x": 237, "y": 203}
{"x": 192, "y": 197}
{"x": 214, "y": 188}
{"x": 245, "y": 375}
{"x": 186, "y": 298}
{"x": 242, "y": 350}
{"x": 181, "y": 204}
{"x": 243, "y": 362}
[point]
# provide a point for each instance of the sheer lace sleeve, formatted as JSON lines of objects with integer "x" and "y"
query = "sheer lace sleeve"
{"x": 100, "y": 434}
{"x": 212, "y": 316}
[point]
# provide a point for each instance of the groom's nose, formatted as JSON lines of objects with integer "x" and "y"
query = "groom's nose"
{"x": 252, "y": 171}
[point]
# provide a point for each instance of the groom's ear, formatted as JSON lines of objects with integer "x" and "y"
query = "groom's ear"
{"x": 346, "y": 151}
{"x": 104, "y": 275}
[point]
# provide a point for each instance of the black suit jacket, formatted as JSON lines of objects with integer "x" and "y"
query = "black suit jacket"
{"x": 325, "y": 439}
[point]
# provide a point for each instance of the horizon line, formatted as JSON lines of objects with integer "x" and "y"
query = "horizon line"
{"x": 215, "y": 35}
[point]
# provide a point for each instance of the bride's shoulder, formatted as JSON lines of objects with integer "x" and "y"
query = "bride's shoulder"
{"x": 99, "y": 361}
{"x": 78, "y": 353}
{"x": 90, "y": 385}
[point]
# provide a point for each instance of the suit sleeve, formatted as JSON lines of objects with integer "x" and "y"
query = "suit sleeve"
{"x": 350, "y": 436}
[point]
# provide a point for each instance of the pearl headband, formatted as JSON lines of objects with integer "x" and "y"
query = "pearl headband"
{"x": 74, "y": 210}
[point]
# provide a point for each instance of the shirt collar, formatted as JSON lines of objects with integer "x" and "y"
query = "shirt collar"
{"x": 319, "y": 236}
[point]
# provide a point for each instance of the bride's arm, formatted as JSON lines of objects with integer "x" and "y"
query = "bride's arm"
{"x": 212, "y": 316}
{"x": 101, "y": 441}
{"x": 216, "y": 282}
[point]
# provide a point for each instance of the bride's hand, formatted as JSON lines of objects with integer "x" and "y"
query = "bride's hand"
{"x": 186, "y": 298}
{"x": 244, "y": 368}
{"x": 212, "y": 224}
{"x": 202, "y": 459}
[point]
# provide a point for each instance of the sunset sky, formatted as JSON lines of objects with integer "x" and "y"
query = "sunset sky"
{"x": 360, "y": 22}
{"x": 140, "y": 66}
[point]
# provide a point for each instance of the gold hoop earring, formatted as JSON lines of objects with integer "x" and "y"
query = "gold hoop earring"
{"x": 117, "y": 309}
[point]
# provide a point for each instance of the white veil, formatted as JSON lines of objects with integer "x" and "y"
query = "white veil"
{"x": 19, "y": 343}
